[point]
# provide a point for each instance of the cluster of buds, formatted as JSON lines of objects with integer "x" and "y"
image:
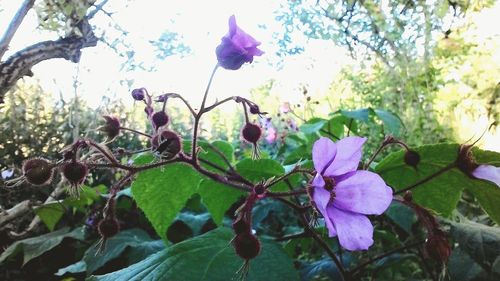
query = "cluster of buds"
{"x": 245, "y": 243}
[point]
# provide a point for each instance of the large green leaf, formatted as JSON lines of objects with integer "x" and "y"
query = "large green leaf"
{"x": 391, "y": 121}
{"x": 162, "y": 192}
{"x": 218, "y": 198}
{"x": 261, "y": 170}
{"x": 209, "y": 257}
{"x": 211, "y": 152}
{"x": 36, "y": 246}
{"x": 441, "y": 193}
{"x": 115, "y": 246}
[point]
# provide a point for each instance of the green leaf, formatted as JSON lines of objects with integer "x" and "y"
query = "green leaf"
{"x": 162, "y": 192}
{"x": 218, "y": 198}
{"x": 209, "y": 153}
{"x": 209, "y": 257}
{"x": 462, "y": 267}
{"x": 335, "y": 127}
{"x": 402, "y": 215}
{"x": 50, "y": 214}
{"x": 36, "y": 246}
{"x": 359, "y": 114}
{"x": 390, "y": 120}
{"x": 442, "y": 192}
{"x": 313, "y": 125}
{"x": 261, "y": 170}
{"x": 135, "y": 239}
{"x": 481, "y": 242}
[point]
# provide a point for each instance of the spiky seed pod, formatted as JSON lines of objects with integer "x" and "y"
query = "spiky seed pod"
{"x": 38, "y": 171}
{"x": 159, "y": 118}
{"x": 167, "y": 143}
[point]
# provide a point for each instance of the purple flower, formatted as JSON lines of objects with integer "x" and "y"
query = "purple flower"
{"x": 344, "y": 195}
{"x": 488, "y": 172}
{"x": 236, "y": 48}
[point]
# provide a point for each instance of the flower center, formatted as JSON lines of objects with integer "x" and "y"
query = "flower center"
{"x": 330, "y": 185}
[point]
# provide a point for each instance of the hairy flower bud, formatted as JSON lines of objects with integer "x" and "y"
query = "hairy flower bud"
{"x": 254, "y": 109}
{"x": 75, "y": 173}
{"x": 111, "y": 128}
{"x": 412, "y": 158}
{"x": 138, "y": 94}
{"x": 251, "y": 133}
{"x": 240, "y": 226}
{"x": 159, "y": 118}
{"x": 108, "y": 227}
{"x": 437, "y": 247}
{"x": 38, "y": 171}
{"x": 247, "y": 246}
{"x": 166, "y": 143}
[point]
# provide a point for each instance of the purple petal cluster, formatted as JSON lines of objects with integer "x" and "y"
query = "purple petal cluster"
{"x": 236, "y": 48}
{"x": 344, "y": 195}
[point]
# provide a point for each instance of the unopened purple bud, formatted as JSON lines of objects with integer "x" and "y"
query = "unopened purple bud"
{"x": 159, "y": 118}
{"x": 138, "y": 94}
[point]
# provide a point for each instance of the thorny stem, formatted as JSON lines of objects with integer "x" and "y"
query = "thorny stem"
{"x": 208, "y": 108}
{"x": 111, "y": 158}
{"x": 135, "y": 131}
{"x": 374, "y": 259}
{"x": 200, "y": 113}
{"x": 426, "y": 179}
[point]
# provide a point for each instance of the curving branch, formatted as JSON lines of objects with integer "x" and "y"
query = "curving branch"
{"x": 20, "y": 63}
{"x": 14, "y": 25}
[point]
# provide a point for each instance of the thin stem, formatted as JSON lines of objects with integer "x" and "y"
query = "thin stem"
{"x": 293, "y": 171}
{"x": 293, "y": 236}
{"x": 224, "y": 158}
{"x": 246, "y": 112}
{"x": 174, "y": 95}
{"x": 428, "y": 178}
{"x": 286, "y": 193}
{"x": 110, "y": 157}
{"x": 317, "y": 238}
{"x": 135, "y": 131}
{"x": 367, "y": 165}
{"x": 200, "y": 113}
{"x": 381, "y": 256}
{"x": 208, "y": 108}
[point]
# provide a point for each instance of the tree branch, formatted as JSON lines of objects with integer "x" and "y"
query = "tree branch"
{"x": 14, "y": 25}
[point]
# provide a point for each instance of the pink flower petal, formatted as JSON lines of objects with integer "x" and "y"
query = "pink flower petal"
{"x": 354, "y": 230}
{"x": 488, "y": 172}
{"x": 323, "y": 154}
{"x": 364, "y": 192}
{"x": 321, "y": 197}
{"x": 349, "y": 151}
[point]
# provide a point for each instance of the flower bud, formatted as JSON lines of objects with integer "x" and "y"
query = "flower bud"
{"x": 259, "y": 190}
{"x": 38, "y": 171}
{"x": 138, "y": 94}
{"x": 251, "y": 133}
{"x": 75, "y": 172}
{"x": 465, "y": 160}
{"x": 247, "y": 246}
{"x": 108, "y": 227}
{"x": 240, "y": 226}
{"x": 111, "y": 128}
{"x": 412, "y": 158}
{"x": 254, "y": 109}
{"x": 166, "y": 143}
{"x": 159, "y": 118}
{"x": 437, "y": 247}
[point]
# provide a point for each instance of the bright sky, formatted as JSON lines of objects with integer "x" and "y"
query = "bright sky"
{"x": 202, "y": 26}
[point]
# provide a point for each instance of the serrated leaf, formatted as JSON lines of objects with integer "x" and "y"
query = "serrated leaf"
{"x": 209, "y": 257}
{"x": 36, "y": 246}
{"x": 162, "y": 192}
{"x": 218, "y": 198}
{"x": 441, "y": 193}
